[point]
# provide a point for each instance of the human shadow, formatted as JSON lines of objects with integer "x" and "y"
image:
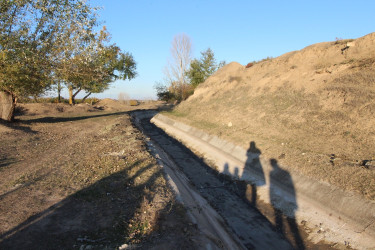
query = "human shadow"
{"x": 280, "y": 177}
{"x": 252, "y": 171}
{"x": 254, "y": 167}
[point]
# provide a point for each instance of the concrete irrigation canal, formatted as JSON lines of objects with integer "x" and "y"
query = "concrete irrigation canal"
{"x": 213, "y": 203}
{"x": 236, "y": 208}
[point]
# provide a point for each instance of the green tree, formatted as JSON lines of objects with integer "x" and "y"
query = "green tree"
{"x": 36, "y": 36}
{"x": 96, "y": 66}
{"x": 201, "y": 69}
{"x": 114, "y": 65}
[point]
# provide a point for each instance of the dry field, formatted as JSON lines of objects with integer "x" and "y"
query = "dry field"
{"x": 81, "y": 178}
{"x": 312, "y": 109}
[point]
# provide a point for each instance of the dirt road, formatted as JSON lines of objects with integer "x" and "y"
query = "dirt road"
{"x": 85, "y": 181}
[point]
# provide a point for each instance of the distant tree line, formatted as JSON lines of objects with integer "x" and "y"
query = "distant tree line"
{"x": 46, "y": 45}
{"x": 183, "y": 74}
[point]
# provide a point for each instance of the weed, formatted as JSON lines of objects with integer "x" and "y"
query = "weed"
{"x": 322, "y": 64}
{"x": 235, "y": 78}
{"x": 136, "y": 230}
{"x": 339, "y": 40}
{"x": 346, "y": 133}
{"x": 250, "y": 64}
{"x": 348, "y": 61}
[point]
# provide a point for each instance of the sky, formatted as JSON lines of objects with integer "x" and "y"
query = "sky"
{"x": 236, "y": 30}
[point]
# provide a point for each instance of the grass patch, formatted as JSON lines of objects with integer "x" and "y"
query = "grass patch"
{"x": 175, "y": 113}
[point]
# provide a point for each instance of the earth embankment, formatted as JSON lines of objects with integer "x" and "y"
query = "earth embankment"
{"x": 312, "y": 110}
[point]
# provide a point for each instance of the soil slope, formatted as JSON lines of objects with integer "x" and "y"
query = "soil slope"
{"x": 312, "y": 109}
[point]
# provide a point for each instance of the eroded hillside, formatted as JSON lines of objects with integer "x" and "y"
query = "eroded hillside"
{"x": 312, "y": 109}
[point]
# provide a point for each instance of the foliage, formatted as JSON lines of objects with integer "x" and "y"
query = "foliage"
{"x": 179, "y": 89}
{"x": 97, "y": 65}
{"x": 35, "y": 35}
{"x": 163, "y": 93}
{"x": 201, "y": 69}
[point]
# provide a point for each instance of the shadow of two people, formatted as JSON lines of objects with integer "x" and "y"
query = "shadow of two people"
{"x": 254, "y": 170}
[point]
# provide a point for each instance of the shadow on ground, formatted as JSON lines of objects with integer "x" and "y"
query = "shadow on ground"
{"x": 103, "y": 214}
{"x": 283, "y": 223}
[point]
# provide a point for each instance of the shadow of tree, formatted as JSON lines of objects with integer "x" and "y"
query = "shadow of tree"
{"x": 51, "y": 119}
{"x": 98, "y": 215}
{"x": 6, "y": 161}
{"x": 17, "y": 125}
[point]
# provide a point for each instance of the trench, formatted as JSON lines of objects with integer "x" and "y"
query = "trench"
{"x": 238, "y": 225}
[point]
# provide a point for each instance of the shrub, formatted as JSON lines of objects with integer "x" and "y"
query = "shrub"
{"x": 249, "y": 65}
{"x": 133, "y": 103}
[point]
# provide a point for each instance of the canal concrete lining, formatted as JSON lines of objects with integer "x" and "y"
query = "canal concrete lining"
{"x": 223, "y": 217}
{"x": 334, "y": 215}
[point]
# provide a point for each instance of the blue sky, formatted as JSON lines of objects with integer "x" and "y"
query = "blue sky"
{"x": 240, "y": 31}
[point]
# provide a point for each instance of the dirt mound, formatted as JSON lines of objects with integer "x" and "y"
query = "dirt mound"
{"x": 51, "y": 108}
{"x": 111, "y": 105}
{"x": 108, "y": 102}
{"x": 312, "y": 109}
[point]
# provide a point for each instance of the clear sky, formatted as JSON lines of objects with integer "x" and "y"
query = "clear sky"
{"x": 235, "y": 30}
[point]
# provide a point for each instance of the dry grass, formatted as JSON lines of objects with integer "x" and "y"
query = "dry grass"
{"x": 298, "y": 114}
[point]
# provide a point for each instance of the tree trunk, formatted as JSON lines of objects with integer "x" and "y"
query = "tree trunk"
{"x": 84, "y": 98}
{"x": 7, "y": 105}
{"x": 74, "y": 96}
{"x": 59, "y": 87}
{"x": 71, "y": 97}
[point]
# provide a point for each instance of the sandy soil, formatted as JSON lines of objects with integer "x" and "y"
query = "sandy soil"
{"x": 81, "y": 178}
{"x": 312, "y": 110}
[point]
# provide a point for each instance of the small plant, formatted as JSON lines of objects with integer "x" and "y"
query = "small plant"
{"x": 235, "y": 78}
{"x": 249, "y": 65}
{"x": 133, "y": 103}
{"x": 136, "y": 230}
{"x": 338, "y": 40}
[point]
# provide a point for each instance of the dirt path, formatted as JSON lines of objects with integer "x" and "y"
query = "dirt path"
{"x": 85, "y": 181}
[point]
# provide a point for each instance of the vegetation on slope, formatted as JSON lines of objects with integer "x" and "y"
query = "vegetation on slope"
{"x": 312, "y": 109}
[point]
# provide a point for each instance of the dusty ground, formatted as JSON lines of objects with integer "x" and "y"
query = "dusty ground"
{"x": 81, "y": 178}
{"x": 312, "y": 110}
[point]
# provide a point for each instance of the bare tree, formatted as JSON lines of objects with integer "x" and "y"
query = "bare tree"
{"x": 178, "y": 65}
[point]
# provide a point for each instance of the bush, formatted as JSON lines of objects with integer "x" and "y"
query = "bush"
{"x": 133, "y": 103}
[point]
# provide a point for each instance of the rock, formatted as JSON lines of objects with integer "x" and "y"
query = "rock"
{"x": 124, "y": 246}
